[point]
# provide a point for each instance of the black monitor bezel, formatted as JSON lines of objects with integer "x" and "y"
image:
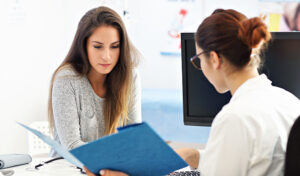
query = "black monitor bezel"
{"x": 206, "y": 121}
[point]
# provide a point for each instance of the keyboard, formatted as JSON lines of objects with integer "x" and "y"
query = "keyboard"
{"x": 185, "y": 173}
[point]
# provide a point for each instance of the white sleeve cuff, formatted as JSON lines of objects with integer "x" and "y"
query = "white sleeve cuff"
{"x": 200, "y": 153}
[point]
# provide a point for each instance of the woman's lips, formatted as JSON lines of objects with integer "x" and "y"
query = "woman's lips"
{"x": 105, "y": 65}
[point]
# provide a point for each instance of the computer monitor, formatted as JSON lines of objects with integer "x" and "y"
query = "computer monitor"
{"x": 201, "y": 102}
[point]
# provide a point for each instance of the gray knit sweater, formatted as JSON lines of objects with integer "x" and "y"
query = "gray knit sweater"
{"x": 77, "y": 109}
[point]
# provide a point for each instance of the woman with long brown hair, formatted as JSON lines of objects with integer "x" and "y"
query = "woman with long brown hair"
{"x": 96, "y": 88}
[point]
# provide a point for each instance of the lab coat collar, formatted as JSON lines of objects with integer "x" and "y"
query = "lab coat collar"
{"x": 251, "y": 84}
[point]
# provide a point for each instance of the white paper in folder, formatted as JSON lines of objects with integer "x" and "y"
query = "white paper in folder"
{"x": 11, "y": 160}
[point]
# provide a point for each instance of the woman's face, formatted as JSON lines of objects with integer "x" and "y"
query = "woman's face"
{"x": 211, "y": 68}
{"x": 103, "y": 49}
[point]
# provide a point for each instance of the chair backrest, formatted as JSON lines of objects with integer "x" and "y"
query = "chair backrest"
{"x": 35, "y": 145}
{"x": 292, "y": 158}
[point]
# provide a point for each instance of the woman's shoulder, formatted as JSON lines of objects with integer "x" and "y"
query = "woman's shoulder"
{"x": 66, "y": 76}
{"x": 135, "y": 72}
{"x": 66, "y": 72}
{"x": 135, "y": 78}
{"x": 135, "y": 75}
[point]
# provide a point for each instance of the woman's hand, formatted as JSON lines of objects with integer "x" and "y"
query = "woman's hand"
{"x": 105, "y": 173}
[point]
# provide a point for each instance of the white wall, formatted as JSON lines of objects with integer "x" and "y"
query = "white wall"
{"x": 34, "y": 39}
{"x": 148, "y": 30}
{"x": 36, "y": 35}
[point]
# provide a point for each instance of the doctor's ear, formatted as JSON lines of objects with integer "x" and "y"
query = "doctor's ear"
{"x": 215, "y": 59}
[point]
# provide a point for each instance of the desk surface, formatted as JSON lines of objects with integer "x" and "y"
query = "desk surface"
{"x": 63, "y": 168}
{"x": 56, "y": 168}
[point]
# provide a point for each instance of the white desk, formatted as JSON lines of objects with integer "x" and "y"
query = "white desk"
{"x": 64, "y": 168}
{"x": 56, "y": 168}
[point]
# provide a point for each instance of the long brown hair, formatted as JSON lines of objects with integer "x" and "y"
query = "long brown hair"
{"x": 233, "y": 35}
{"x": 118, "y": 82}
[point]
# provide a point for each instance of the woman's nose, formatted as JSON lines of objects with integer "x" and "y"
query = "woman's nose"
{"x": 106, "y": 55}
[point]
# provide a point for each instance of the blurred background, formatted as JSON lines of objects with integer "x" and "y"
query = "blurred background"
{"x": 35, "y": 36}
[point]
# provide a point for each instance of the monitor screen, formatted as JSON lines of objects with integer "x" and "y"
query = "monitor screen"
{"x": 201, "y": 102}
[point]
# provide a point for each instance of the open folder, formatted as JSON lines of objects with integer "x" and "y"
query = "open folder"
{"x": 136, "y": 150}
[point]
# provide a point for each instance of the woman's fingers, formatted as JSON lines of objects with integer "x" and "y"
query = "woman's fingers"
{"x": 89, "y": 173}
{"x": 111, "y": 173}
{"x": 104, "y": 173}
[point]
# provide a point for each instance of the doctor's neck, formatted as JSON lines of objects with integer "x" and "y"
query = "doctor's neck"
{"x": 237, "y": 78}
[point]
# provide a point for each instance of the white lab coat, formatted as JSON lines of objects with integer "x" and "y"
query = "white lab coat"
{"x": 249, "y": 135}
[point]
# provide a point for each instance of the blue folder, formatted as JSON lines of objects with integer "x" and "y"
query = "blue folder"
{"x": 136, "y": 150}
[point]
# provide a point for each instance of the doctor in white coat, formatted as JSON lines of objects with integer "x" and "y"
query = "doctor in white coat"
{"x": 249, "y": 135}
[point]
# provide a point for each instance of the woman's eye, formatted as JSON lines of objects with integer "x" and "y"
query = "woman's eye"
{"x": 116, "y": 46}
{"x": 97, "y": 46}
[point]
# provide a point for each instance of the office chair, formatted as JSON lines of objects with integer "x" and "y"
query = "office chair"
{"x": 292, "y": 156}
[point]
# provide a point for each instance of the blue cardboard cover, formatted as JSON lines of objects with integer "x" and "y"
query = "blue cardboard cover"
{"x": 136, "y": 150}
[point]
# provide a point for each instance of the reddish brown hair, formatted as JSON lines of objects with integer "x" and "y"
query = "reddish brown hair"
{"x": 232, "y": 35}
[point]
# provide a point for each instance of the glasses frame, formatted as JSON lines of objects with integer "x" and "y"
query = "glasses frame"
{"x": 36, "y": 167}
{"x": 192, "y": 59}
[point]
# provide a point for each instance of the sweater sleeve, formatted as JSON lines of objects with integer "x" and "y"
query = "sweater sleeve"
{"x": 134, "y": 108}
{"x": 65, "y": 112}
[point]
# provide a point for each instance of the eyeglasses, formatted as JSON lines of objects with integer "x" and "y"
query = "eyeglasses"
{"x": 36, "y": 167}
{"x": 195, "y": 60}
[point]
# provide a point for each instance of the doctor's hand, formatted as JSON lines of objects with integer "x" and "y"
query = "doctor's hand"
{"x": 105, "y": 173}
